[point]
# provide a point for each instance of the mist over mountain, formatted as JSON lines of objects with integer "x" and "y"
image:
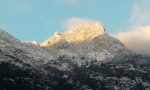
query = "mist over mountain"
{"x": 137, "y": 39}
{"x": 84, "y": 58}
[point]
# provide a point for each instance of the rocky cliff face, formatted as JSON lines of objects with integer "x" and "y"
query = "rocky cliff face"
{"x": 84, "y": 32}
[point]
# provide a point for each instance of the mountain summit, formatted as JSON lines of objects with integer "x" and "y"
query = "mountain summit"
{"x": 84, "y": 32}
{"x": 88, "y": 40}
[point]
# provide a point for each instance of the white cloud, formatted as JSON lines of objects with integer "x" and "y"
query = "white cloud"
{"x": 76, "y": 21}
{"x": 141, "y": 13}
{"x": 138, "y": 40}
{"x": 138, "y": 36}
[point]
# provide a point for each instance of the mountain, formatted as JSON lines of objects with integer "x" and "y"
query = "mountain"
{"x": 88, "y": 40}
{"x": 84, "y": 58}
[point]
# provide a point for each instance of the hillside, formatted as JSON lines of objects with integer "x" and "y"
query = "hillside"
{"x": 92, "y": 60}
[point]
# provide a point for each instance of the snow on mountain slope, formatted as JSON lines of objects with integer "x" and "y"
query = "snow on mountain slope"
{"x": 28, "y": 53}
{"x": 87, "y": 40}
{"x": 7, "y": 39}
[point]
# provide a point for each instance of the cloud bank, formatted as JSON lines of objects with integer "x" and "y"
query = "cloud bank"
{"x": 138, "y": 36}
{"x": 138, "y": 39}
{"x": 141, "y": 13}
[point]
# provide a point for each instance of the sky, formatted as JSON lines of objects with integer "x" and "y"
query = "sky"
{"x": 37, "y": 20}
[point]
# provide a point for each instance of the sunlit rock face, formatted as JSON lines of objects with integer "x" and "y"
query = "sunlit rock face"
{"x": 84, "y": 32}
{"x": 58, "y": 37}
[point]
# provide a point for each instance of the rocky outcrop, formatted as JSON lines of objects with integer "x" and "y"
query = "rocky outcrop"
{"x": 84, "y": 32}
